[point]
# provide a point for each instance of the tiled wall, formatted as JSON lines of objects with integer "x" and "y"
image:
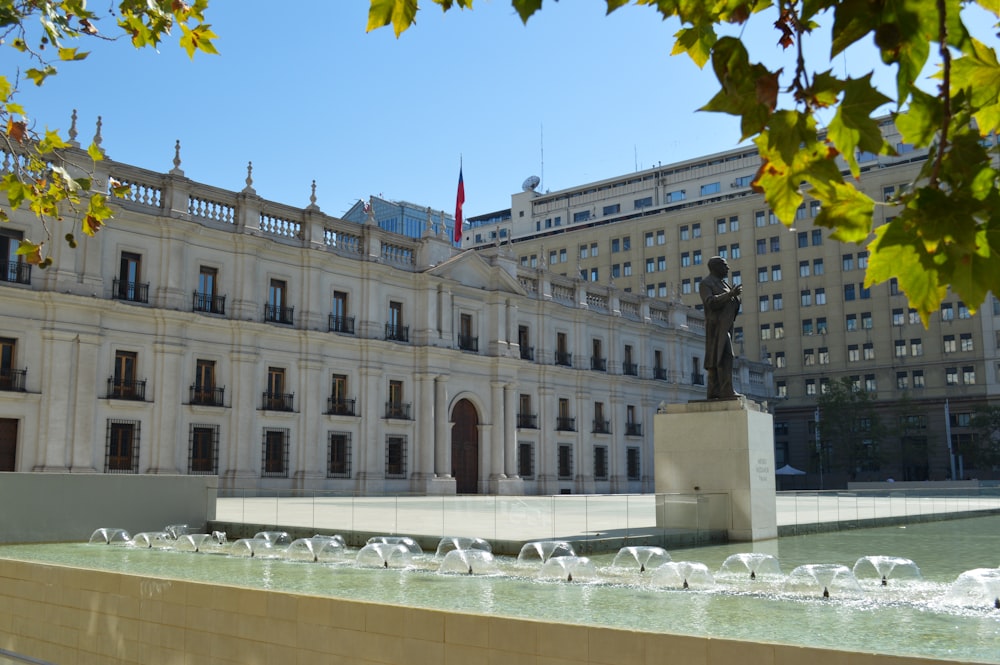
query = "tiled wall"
{"x": 70, "y": 616}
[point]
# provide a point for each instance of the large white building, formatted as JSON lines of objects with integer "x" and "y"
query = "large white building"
{"x": 211, "y": 331}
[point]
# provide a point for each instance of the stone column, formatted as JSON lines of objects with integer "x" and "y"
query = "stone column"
{"x": 496, "y": 442}
{"x": 164, "y": 435}
{"x": 61, "y": 352}
{"x": 442, "y": 429}
{"x": 510, "y": 431}
{"x": 425, "y": 444}
{"x": 309, "y": 464}
{"x": 241, "y": 466}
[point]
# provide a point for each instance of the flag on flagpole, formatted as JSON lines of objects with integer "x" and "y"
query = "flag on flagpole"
{"x": 459, "y": 201}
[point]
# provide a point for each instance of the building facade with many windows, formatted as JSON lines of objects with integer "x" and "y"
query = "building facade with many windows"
{"x": 805, "y": 311}
{"x": 204, "y": 331}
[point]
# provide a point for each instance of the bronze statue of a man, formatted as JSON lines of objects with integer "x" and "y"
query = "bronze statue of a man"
{"x": 722, "y": 303}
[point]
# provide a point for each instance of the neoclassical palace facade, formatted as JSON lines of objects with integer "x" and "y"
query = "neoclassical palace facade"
{"x": 206, "y": 331}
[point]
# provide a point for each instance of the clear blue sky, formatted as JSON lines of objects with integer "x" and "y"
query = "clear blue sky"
{"x": 302, "y": 91}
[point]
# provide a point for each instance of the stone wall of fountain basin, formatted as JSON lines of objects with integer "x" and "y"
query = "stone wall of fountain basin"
{"x": 62, "y": 507}
{"x": 69, "y": 615}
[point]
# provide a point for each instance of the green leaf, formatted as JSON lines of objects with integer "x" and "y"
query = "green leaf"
{"x": 846, "y": 209}
{"x": 697, "y": 42}
{"x": 979, "y": 75}
{"x": 916, "y": 276}
{"x": 920, "y": 123}
{"x": 853, "y": 126}
{"x": 15, "y": 190}
{"x": 72, "y": 54}
{"x": 525, "y": 8}
{"x": 400, "y": 13}
{"x": 94, "y": 151}
{"x": 38, "y": 76}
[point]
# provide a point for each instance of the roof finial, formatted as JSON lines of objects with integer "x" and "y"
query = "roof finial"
{"x": 177, "y": 159}
{"x": 72, "y": 130}
{"x": 98, "y": 138}
{"x": 312, "y": 198}
{"x": 249, "y": 181}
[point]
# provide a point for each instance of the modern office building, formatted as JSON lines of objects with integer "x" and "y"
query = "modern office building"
{"x": 805, "y": 308}
{"x": 206, "y": 331}
{"x": 401, "y": 217}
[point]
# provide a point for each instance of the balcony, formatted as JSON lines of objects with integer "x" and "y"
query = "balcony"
{"x": 630, "y": 369}
{"x": 602, "y": 426}
{"x": 527, "y": 352}
{"x": 468, "y": 343}
{"x": 277, "y": 401}
{"x": 13, "y": 379}
{"x": 397, "y": 333}
{"x": 18, "y": 272}
{"x": 129, "y": 389}
{"x": 697, "y": 379}
{"x": 633, "y": 429}
{"x": 660, "y": 373}
{"x": 278, "y": 314}
{"x": 342, "y": 324}
{"x": 598, "y": 364}
{"x": 527, "y": 421}
{"x": 564, "y": 359}
{"x": 338, "y": 406}
{"x": 564, "y": 424}
{"x": 397, "y": 410}
{"x": 208, "y": 303}
{"x": 206, "y": 396}
{"x": 130, "y": 291}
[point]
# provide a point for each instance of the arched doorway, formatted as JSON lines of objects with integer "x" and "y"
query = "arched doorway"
{"x": 465, "y": 447}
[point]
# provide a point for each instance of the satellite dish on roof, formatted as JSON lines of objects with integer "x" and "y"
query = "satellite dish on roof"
{"x": 530, "y": 183}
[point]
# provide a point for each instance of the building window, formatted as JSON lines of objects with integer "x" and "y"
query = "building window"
{"x": 651, "y": 263}
{"x": 969, "y": 375}
{"x": 902, "y": 381}
{"x": 203, "y": 450}
{"x": 204, "y": 390}
{"x": 736, "y": 277}
{"x": 612, "y": 209}
{"x": 205, "y": 298}
{"x": 616, "y": 271}
{"x": 916, "y": 347}
{"x": 564, "y": 462}
{"x": 647, "y": 202}
{"x": 627, "y": 268}
{"x": 810, "y": 386}
{"x": 648, "y": 239}
{"x": 759, "y": 219}
{"x": 805, "y": 297}
{"x": 697, "y": 257}
{"x": 866, "y": 320}
{"x": 782, "y": 388}
{"x": 394, "y": 328}
{"x": 339, "y": 319}
{"x": 274, "y": 453}
{"x": 720, "y": 226}
{"x": 803, "y": 237}
{"x": 817, "y": 235}
{"x": 949, "y": 344}
{"x": 275, "y": 398}
{"x": 918, "y": 378}
{"x": 564, "y": 423}
{"x": 661, "y": 263}
{"x": 696, "y": 230}
{"x": 820, "y": 296}
{"x": 818, "y": 267}
{"x": 824, "y": 355}
{"x": 764, "y": 303}
{"x": 121, "y": 452}
{"x": 853, "y": 354}
{"x": 685, "y": 233}
{"x": 951, "y": 376}
{"x": 777, "y": 302}
{"x": 765, "y": 331}
{"x": 593, "y": 249}
{"x": 775, "y": 273}
{"x": 808, "y": 357}
{"x": 338, "y": 455}
{"x": 526, "y": 460}
{"x": 966, "y": 339}
{"x": 897, "y": 317}
{"x": 581, "y": 216}
{"x": 127, "y": 286}
{"x": 963, "y": 310}
{"x": 661, "y": 237}
{"x": 852, "y": 322}
{"x": 734, "y": 250}
{"x": 947, "y": 313}
{"x": 779, "y": 330}
{"x": 711, "y": 188}
{"x": 870, "y": 385}
{"x": 396, "y": 408}
{"x": 11, "y": 378}
{"x": 848, "y": 292}
{"x": 276, "y": 309}
{"x": 761, "y": 246}
{"x": 869, "y": 351}
{"x": 123, "y": 383}
{"x": 600, "y": 462}
{"x": 686, "y": 288}
{"x": 339, "y": 402}
{"x": 395, "y": 456}
{"x": 762, "y": 275}
{"x": 775, "y": 244}
{"x": 633, "y": 468}
{"x": 848, "y": 262}
{"x": 779, "y": 359}
{"x": 16, "y": 269}
{"x": 900, "y": 346}
{"x": 862, "y": 260}
{"x": 562, "y": 256}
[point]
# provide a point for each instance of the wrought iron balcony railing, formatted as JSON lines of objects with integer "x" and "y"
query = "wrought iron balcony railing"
{"x": 13, "y": 379}
{"x": 342, "y": 324}
{"x": 527, "y": 352}
{"x": 527, "y": 421}
{"x": 598, "y": 364}
{"x": 630, "y": 369}
{"x": 207, "y": 396}
{"x": 127, "y": 389}
{"x": 338, "y": 406}
{"x": 130, "y": 291}
{"x": 660, "y": 373}
{"x": 397, "y": 333}
{"x": 563, "y": 358}
{"x": 206, "y": 302}
{"x": 602, "y": 426}
{"x": 277, "y": 401}
{"x": 18, "y": 272}
{"x": 279, "y": 314}
{"x": 633, "y": 429}
{"x": 468, "y": 343}
{"x": 397, "y": 410}
{"x": 564, "y": 424}
{"x": 697, "y": 379}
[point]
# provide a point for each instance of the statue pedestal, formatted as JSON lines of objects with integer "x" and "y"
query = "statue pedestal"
{"x": 717, "y": 447}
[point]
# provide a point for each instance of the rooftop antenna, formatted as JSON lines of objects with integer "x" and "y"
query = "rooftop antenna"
{"x": 635, "y": 156}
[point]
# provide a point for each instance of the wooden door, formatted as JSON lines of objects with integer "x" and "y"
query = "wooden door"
{"x": 465, "y": 447}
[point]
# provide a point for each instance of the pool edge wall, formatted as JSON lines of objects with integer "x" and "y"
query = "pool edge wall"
{"x": 75, "y": 616}
{"x": 63, "y": 507}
